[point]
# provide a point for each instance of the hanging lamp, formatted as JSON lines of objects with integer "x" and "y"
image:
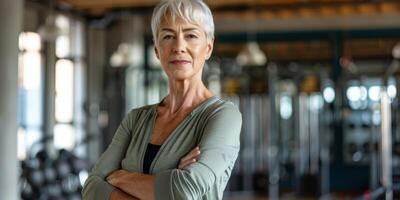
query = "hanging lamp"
{"x": 251, "y": 54}
{"x": 49, "y": 31}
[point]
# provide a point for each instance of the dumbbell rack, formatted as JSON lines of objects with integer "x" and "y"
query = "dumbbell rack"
{"x": 58, "y": 178}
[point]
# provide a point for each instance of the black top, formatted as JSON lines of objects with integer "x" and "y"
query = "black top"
{"x": 151, "y": 152}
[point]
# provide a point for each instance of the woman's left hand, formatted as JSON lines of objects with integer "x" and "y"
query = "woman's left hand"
{"x": 189, "y": 158}
{"x": 118, "y": 177}
{"x": 135, "y": 184}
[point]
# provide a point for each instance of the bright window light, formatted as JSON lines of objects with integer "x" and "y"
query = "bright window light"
{"x": 316, "y": 102}
{"x": 353, "y": 93}
{"x": 355, "y": 104}
{"x": 376, "y": 117}
{"x": 64, "y": 136}
{"x": 62, "y": 22}
{"x": 29, "y": 64}
{"x": 83, "y": 175}
{"x": 64, "y": 91}
{"x": 32, "y": 137}
{"x": 374, "y": 93}
{"x": 329, "y": 94}
{"x": 29, "y": 41}
{"x": 286, "y": 107}
{"x": 21, "y": 144}
{"x": 364, "y": 93}
{"x": 392, "y": 91}
{"x": 62, "y": 46}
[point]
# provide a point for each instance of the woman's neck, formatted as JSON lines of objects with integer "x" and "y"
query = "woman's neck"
{"x": 185, "y": 95}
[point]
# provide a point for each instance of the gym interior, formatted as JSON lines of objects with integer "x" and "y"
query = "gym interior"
{"x": 315, "y": 80}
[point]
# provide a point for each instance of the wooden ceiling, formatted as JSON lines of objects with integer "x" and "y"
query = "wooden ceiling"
{"x": 112, "y": 4}
{"x": 263, "y": 8}
{"x": 283, "y": 15}
{"x": 315, "y": 50}
{"x": 270, "y": 15}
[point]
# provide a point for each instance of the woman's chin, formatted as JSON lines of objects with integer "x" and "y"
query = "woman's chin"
{"x": 181, "y": 76}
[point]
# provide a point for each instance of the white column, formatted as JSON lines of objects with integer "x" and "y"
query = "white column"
{"x": 10, "y": 27}
{"x": 386, "y": 144}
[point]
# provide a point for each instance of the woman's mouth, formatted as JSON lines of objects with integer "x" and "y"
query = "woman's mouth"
{"x": 180, "y": 62}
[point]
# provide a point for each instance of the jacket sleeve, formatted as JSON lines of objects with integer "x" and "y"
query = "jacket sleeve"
{"x": 219, "y": 148}
{"x": 95, "y": 187}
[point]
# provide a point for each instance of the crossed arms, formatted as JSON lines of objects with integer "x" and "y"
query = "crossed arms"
{"x": 123, "y": 180}
{"x": 219, "y": 144}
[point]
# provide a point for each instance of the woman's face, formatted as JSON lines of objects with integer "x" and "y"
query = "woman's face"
{"x": 182, "y": 49}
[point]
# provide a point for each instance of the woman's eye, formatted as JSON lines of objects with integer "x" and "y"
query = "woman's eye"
{"x": 167, "y": 37}
{"x": 192, "y": 36}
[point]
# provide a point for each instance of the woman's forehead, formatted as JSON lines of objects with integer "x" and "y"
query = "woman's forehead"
{"x": 178, "y": 21}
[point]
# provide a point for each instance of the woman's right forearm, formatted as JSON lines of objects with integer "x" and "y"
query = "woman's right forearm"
{"x": 120, "y": 195}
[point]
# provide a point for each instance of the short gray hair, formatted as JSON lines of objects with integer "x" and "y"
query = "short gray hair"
{"x": 193, "y": 11}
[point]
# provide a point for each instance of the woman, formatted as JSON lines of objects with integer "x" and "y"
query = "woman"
{"x": 143, "y": 160}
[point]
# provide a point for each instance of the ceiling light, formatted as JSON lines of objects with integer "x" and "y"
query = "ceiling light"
{"x": 127, "y": 54}
{"x": 251, "y": 55}
{"x": 49, "y": 31}
{"x": 396, "y": 51}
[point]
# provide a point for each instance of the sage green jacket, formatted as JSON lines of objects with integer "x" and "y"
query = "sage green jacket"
{"x": 214, "y": 126}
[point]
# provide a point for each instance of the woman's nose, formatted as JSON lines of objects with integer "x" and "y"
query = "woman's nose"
{"x": 180, "y": 45}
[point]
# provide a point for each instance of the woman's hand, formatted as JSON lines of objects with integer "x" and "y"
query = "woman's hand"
{"x": 189, "y": 158}
{"x": 138, "y": 185}
{"x": 143, "y": 184}
{"x": 118, "y": 177}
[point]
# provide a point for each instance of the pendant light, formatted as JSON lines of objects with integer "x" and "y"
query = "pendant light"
{"x": 396, "y": 51}
{"x": 251, "y": 54}
{"x": 49, "y": 31}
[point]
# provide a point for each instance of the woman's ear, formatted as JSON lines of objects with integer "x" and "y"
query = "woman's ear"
{"x": 156, "y": 51}
{"x": 210, "y": 47}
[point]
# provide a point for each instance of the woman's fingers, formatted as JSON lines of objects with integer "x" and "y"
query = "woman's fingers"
{"x": 114, "y": 176}
{"x": 191, "y": 155}
{"x": 190, "y": 158}
{"x": 186, "y": 163}
{"x": 111, "y": 179}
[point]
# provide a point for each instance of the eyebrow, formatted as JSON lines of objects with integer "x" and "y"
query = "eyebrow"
{"x": 184, "y": 30}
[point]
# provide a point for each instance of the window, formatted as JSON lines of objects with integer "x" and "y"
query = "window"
{"x": 69, "y": 85}
{"x": 30, "y": 92}
{"x": 64, "y": 91}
